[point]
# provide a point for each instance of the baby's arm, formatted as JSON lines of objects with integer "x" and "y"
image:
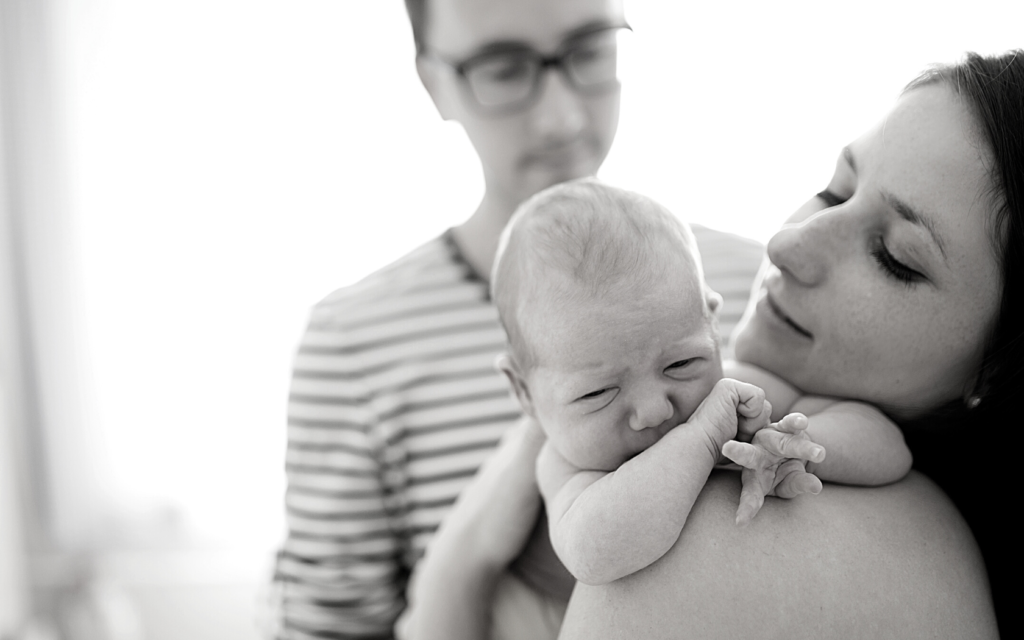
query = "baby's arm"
{"x": 864, "y": 446}
{"x": 606, "y": 525}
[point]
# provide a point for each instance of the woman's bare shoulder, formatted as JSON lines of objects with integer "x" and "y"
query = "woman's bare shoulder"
{"x": 888, "y": 562}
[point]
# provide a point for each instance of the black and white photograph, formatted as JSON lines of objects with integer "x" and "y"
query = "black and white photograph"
{"x": 509, "y": 319}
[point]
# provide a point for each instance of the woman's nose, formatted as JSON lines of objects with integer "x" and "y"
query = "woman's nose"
{"x": 804, "y": 250}
{"x": 651, "y": 410}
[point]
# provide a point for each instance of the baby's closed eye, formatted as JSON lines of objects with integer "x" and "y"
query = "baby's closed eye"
{"x": 595, "y": 394}
{"x": 596, "y": 400}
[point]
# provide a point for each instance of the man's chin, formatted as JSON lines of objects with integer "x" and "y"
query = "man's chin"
{"x": 542, "y": 174}
{"x": 558, "y": 177}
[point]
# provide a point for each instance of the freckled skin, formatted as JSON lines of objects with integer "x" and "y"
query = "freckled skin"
{"x": 902, "y": 346}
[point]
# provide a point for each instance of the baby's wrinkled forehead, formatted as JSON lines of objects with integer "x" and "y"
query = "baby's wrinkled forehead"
{"x": 625, "y": 275}
{"x": 562, "y": 327}
{"x": 613, "y": 294}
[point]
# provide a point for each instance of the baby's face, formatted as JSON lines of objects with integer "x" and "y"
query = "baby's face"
{"x": 616, "y": 373}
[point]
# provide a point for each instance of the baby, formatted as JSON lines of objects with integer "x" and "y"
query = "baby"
{"x": 613, "y": 349}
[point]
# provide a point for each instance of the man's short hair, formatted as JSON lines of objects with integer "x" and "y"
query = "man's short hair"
{"x": 417, "y": 10}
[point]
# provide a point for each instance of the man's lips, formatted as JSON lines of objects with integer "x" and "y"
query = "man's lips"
{"x": 789, "y": 321}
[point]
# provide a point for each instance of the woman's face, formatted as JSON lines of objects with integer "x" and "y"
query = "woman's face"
{"x": 887, "y": 284}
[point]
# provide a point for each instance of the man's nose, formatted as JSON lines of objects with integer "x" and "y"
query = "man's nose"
{"x": 559, "y": 114}
{"x": 651, "y": 410}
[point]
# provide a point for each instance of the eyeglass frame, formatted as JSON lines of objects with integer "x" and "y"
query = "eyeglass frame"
{"x": 556, "y": 60}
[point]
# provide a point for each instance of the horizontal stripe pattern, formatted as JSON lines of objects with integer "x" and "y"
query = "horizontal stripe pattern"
{"x": 394, "y": 404}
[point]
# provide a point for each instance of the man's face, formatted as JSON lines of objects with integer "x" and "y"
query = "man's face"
{"x": 560, "y": 135}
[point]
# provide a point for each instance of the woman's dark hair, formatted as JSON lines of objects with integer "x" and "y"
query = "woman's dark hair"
{"x": 982, "y": 484}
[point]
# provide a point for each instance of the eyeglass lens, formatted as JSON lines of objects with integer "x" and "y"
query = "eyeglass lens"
{"x": 508, "y": 78}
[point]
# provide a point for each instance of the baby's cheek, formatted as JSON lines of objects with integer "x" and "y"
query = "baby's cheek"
{"x": 601, "y": 454}
{"x": 575, "y": 447}
{"x": 695, "y": 393}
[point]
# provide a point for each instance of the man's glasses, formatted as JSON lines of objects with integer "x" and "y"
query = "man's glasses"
{"x": 507, "y": 78}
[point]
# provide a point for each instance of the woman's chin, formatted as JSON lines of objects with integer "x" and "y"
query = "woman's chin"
{"x": 760, "y": 346}
{"x": 749, "y": 344}
{"x": 740, "y": 340}
{"x": 738, "y": 333}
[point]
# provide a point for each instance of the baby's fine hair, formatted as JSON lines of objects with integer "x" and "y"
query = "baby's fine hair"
{"x": 579, "y": 240}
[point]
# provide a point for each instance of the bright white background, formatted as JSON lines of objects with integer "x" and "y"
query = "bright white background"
{"x": 233, "y": 161}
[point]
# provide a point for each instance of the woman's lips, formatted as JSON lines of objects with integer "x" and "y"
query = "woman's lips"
{"x": 786, "y": 319}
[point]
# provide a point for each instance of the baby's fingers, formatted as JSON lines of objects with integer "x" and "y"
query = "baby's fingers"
{"x": 752, "y": 416}
{"x": 796, "y": 481}
{"x": 751, "y": 496}
{"x": 791, "y": 423}
{"x": 743, "y": 454}
{"x": 785, "y": 445}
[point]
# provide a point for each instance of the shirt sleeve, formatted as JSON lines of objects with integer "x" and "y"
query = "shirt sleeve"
{"x": 338, "y": 574}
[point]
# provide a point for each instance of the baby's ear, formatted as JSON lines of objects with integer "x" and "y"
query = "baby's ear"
{"x": 506, "y": 365}
{"x": 713, "y": 299}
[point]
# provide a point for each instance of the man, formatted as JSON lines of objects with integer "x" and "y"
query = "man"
{"x": 395, "y": 401}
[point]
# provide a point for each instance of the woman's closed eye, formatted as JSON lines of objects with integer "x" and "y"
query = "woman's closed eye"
{"x": 893, "y": 267}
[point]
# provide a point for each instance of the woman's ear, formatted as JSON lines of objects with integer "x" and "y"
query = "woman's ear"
{"x": 428, "y": 72}
{"x": 508, "y": 366}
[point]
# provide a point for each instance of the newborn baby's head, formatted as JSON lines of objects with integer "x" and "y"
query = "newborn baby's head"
{"x": 611, "y": 330}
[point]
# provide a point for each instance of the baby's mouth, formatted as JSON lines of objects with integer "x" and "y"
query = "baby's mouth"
{"x": 788, "y": 320}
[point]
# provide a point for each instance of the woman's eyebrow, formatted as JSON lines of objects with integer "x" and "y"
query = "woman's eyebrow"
{"x": 905, "y": 211}
{"x": 912, "y": 216}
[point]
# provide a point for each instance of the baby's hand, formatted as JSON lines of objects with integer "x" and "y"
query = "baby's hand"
{"x": 731, "y": 409}
{"x": 774, "y": 464}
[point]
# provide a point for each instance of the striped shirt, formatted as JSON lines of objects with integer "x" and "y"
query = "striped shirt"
{"x": 395, "y": 403}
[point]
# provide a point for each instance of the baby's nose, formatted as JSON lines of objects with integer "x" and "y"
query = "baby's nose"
{"x": 651, "y": 411}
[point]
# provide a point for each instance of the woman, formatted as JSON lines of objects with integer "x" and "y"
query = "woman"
{"x": 896, "y": 288}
